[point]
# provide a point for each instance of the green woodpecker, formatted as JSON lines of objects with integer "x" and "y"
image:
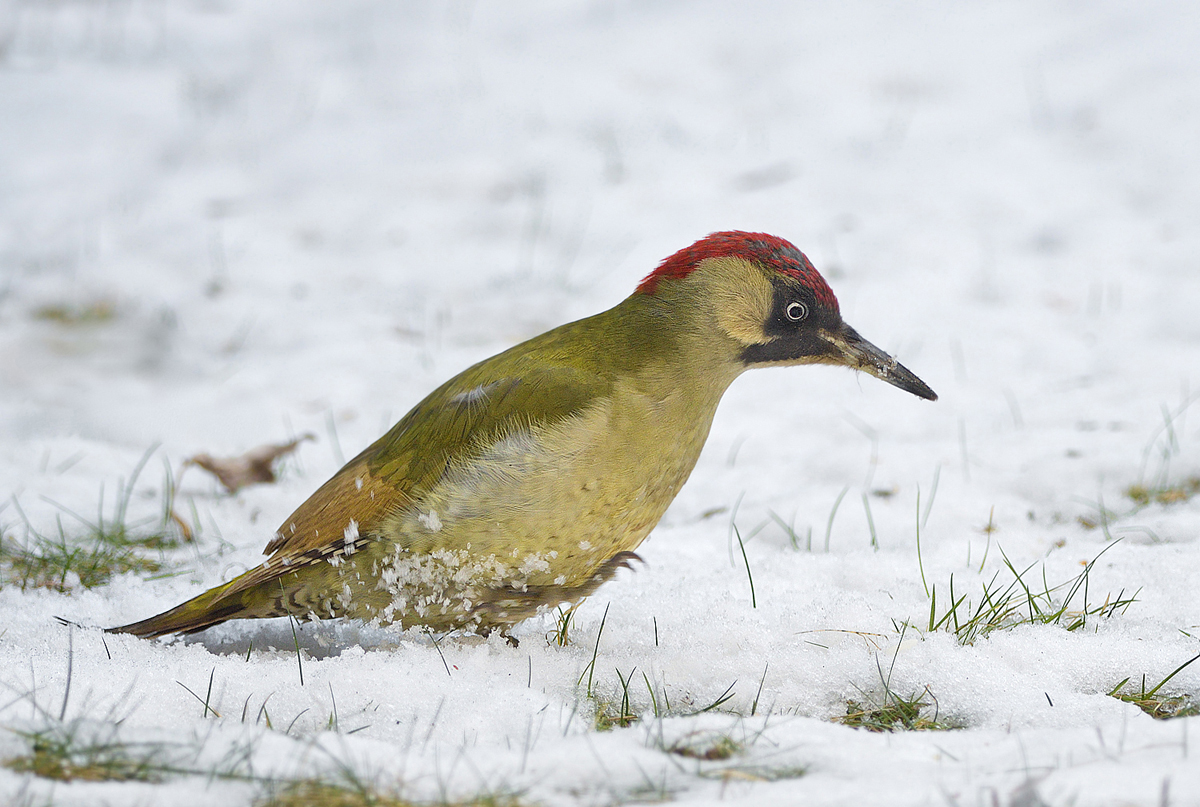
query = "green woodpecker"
{"x": 526, "y": 481}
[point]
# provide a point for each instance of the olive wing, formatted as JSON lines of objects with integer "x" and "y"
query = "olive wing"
{"x": 462, "y": 417}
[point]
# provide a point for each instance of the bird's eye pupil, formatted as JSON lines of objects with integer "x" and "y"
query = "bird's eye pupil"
{"x": 796, "y": 311}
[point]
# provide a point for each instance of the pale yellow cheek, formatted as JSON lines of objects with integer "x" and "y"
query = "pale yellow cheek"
{"x": 740, "y": 294}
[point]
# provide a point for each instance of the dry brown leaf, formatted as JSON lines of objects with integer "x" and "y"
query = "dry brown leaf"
{"x": 254, "y": 467}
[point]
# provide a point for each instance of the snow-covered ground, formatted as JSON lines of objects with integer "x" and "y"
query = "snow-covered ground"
{"x": 225, "y": 223}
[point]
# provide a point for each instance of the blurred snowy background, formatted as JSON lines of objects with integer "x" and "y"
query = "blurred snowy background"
{"x": 226, "y": 223}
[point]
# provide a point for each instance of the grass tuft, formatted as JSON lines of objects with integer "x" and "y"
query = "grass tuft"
{"x": 719, "y": 755}
{"x": 60, "y": 563}
{"x": 1023, "y": 601}
{"x": 622, "y": 712}
{"x": 353, "y": 792}
{"x": 62, "y": 752}
{"x": 612, "y": 715}
{"x": 561, "y": 635}
{"x": 91, "y": 313}
{"x": 92, "y": 750}
{"x": 93, "y": 555}
{"x": 81, "y": 750}
{"x": 893, "y": 713}
{"x": 1160, "y": 707}
{"x": 1145, "y": 495}
{"x": 755, "y": 773}
{"x": 705, "y": 745}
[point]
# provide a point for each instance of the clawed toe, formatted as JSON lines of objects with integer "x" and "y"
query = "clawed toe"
{"x": 624, "y": 560}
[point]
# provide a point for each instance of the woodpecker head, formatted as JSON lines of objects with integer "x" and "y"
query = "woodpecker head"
{"x": 775, "y": 307}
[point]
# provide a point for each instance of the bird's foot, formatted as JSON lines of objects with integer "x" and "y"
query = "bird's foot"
{"x": 486, "y": 631}
{"x": 506, "y": 607}
{"x": 621, "y": 560}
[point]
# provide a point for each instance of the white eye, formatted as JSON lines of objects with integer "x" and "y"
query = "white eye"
{"x": 796, "y": 311}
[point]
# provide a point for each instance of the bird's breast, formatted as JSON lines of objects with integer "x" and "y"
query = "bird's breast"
{"x": 552, "y": 502}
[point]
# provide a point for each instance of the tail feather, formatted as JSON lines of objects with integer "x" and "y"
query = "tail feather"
{"x": 213, "y": 607}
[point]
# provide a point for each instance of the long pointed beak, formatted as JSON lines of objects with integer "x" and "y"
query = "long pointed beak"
{"x": 850, "y": 349}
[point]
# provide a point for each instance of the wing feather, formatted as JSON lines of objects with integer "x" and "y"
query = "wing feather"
{"x": 457, "y": 421}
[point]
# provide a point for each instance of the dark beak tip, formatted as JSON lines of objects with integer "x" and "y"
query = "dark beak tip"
{"x": 901, "y": 377}
{"x": 853, "y": 350}
{"x": 922, "y": 390}
{"x": 917, "y": 387}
